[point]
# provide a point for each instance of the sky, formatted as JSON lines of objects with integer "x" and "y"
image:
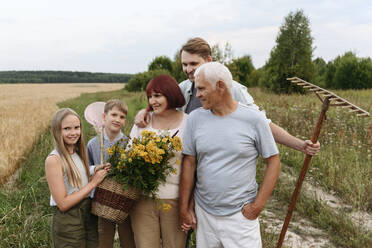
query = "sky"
{"x": 122, "y": 36}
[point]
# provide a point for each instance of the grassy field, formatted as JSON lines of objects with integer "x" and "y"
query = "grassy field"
{"x": 25, "y": 111}
{"x": 343, "y": 168}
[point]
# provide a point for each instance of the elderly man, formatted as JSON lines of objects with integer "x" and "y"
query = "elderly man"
{"x": 222, "y": 142}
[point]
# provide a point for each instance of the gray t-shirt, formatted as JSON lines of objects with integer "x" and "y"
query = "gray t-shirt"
{"x": 227, "y": 148}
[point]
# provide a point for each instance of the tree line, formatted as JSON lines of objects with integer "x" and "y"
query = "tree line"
{"x": 62, "y": 77}
{"x": 291, "y": 56}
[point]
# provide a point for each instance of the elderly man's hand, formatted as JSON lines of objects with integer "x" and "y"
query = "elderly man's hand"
{"x": 142, "y": 118}
{"x": 309, "y": 148}
{"x": 187, "y": 220}
{"x": 251, "y": 211}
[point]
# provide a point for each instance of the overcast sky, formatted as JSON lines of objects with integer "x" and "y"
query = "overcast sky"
{"x": 124, "y": 36}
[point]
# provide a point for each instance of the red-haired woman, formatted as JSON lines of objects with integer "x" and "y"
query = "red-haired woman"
{"x": 150, "y": 223}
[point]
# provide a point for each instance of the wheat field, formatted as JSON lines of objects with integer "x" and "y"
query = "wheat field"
{"x": 25, "y": 113}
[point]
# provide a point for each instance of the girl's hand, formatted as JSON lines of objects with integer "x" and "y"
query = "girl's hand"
{"x": 106, "y": 166}
{"x": 98, "y": 177}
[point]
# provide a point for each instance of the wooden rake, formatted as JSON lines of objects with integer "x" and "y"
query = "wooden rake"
{"x": 328, "y": 99}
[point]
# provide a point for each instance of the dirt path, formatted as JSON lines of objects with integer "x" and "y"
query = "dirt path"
{"x": 304, "y": 234}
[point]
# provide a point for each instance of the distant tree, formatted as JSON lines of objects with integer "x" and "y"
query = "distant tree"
{"x": 320, "y": 67}
{"x": 224, "y": 55}
{"x": 291, "y": 56}
{"x": 177, "y": 71}
{"x": 349, "y": 72}
{"x": 254, "y": 78}
{"x": 61, "y": 77}
{"x": 241, "y": 68}
{"x": 139, "y": 81}
{"x": 161, "y": 63}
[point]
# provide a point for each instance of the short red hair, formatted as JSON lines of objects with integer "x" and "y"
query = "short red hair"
{"x": 167, "y": 86}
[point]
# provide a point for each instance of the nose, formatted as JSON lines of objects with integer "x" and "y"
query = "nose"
{"x": 189, "y": 68}
{"x": 151, "y": 100}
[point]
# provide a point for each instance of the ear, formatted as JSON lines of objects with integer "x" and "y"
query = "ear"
{"x": 104, "y": 116}
{"x": 221, "y": 86}
{"x": 209, "y": 58}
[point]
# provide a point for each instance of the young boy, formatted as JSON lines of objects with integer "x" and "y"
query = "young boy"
{"x": 114, "y": 117}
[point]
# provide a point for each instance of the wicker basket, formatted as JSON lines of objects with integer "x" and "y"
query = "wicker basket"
{"x": 112, "y": 202}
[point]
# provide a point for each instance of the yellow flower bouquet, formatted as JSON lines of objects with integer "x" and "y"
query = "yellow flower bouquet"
{"x": 143, "y": 163}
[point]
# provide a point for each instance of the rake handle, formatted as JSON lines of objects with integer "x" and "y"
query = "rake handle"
{"x": 304, "y": 169}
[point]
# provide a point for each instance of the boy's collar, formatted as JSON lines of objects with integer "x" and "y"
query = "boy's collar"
{"x": 119, "y": 136}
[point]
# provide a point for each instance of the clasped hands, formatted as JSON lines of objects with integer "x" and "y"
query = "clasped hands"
{"x": 187, "y": 220}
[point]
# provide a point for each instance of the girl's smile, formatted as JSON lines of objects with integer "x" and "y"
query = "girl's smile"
{"x": 71, "y": 131}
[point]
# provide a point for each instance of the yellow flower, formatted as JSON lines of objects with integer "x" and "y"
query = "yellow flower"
{"x": 123, "y": 156}
{"x": 110, "y": 151}
{"x": 178, "y": 162}
{"x": 130, "y": 160}
{"x": 166, "y": 207}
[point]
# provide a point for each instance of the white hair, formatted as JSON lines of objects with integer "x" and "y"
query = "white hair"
{"x": 214, "y": 72}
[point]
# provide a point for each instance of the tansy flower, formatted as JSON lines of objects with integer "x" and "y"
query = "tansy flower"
{"x": 166, "y": 207}
{"x": 110, "y": 151}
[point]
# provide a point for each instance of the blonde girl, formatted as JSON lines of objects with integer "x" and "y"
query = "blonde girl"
{"x": 67, "y": 174}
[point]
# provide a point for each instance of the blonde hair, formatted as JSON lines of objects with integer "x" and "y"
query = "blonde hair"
{"x": 110, "y": 104}
{"x": 68, "y": 165}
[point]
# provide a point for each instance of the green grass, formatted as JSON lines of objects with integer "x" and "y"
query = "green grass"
{"x": 343, "y": 166}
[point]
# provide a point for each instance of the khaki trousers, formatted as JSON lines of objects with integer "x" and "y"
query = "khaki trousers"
{"x": 75, "y": 227}
{"x": 154, "y": 227}
{"x": 106, "y": 233}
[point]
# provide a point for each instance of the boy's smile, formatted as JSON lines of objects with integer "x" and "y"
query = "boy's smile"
{"x": 114, "y": 120}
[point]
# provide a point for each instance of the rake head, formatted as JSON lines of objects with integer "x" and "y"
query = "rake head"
{"x": 334, "y": 99}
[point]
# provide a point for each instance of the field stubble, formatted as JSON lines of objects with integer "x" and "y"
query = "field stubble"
{"x": 25, "y": 113}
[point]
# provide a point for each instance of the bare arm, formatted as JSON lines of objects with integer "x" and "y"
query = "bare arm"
{"x": 252, "y": 210}
{"x": 283, "y": 137}
{"x": 187, "y": 216}
{"x": 54, "y": 176}
{"x": 142, "y": 118}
